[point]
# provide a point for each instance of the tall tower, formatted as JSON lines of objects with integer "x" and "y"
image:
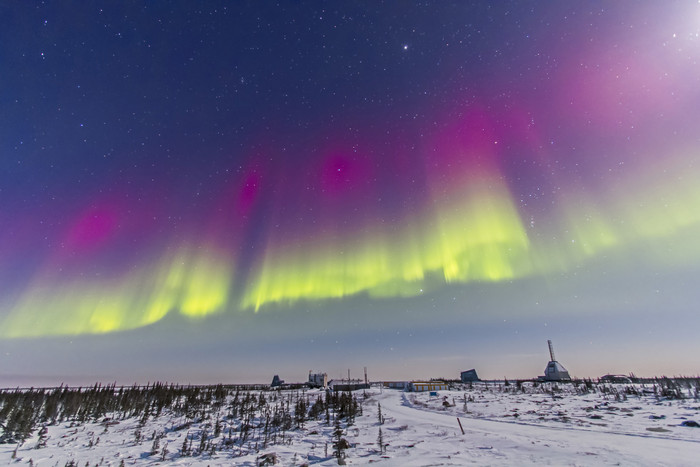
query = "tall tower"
{"x": 551, "y": 350}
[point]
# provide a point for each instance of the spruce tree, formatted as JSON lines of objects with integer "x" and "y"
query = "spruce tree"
{"x": 203, "y": 441}
{"x": 43, "y": 436}
{"x": 184, "y": 451}
{"x": 339, "y": 443}
{"x": 155, "y": 447}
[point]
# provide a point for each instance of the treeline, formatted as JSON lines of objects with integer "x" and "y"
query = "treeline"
{"x": 214, "y": 418}
{"x": 22, "y": 410}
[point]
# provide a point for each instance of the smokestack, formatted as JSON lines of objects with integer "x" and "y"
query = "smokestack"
{"x": 365, "y": 375}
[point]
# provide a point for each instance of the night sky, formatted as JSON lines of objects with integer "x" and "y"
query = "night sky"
{"x": 225, "y": 192}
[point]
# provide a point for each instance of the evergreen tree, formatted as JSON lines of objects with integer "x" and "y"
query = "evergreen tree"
{"x": 203, "y": 441}
{"x": 339, "y": 443}
{"x": 317, "y": 408}
{"x": 185, "y": 450}
{"x": 155, "y": 447}
{"x": 217, "y": 427}
{"x": 300, "y": 412}
{"x": 43, "y": 436}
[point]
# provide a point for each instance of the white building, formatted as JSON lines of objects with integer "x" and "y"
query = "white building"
{"x": 318, "y": 380}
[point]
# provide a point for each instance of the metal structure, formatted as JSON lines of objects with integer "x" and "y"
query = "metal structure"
{"x": 469, "y": 376}
{"x": 276, "y": 381}
{"x": 551, "y": 350}
{"x": 554, "y": 371}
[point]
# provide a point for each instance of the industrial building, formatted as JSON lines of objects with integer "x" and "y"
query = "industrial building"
{"x": 403, "y": 385}
{"x": 317, "y": 380}
{"x": 423, "y": 386}
{"x": 554, "y": 371}
{"x": 469, "y": 376}
{"x": 347, "y": 384}
{"x": 276, "y": 381}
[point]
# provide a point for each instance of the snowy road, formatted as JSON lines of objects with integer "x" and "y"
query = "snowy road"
{"x": 417, "y": 438}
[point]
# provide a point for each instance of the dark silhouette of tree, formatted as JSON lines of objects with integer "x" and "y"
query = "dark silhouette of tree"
{"x": 339, "y": 443}
{"x": 380, "y": 441}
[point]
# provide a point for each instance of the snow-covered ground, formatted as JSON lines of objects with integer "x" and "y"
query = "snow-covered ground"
{"x": 502, "y": 426}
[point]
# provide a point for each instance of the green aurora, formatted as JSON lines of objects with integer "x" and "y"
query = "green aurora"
{"x": 473, "y": 233}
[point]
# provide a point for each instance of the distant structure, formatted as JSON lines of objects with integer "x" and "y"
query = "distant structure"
{"x": 317, "y": 380}
{"x": 276, "y": 381}
{"x": 347, "y": 384}
{"x": 469, "y": 376}
{"x": 554, "y": 371}
{"x": 616, "y": 379}
{"x": 403, "y": 385}
{"x": 423, "y": 386}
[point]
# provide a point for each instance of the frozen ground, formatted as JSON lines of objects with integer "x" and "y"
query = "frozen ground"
{"x": 503, "y": 425}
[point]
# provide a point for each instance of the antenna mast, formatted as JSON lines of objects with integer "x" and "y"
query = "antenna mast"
{"x": 551, "y": 350}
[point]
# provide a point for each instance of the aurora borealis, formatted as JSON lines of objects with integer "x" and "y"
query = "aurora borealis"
{"x": 233, "y": 179}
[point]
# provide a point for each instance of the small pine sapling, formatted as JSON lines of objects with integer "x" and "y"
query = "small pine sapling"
{"x": 184, "y": 450}
{"x": 155, "y": 447}
{"x": 380, "y": 441}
